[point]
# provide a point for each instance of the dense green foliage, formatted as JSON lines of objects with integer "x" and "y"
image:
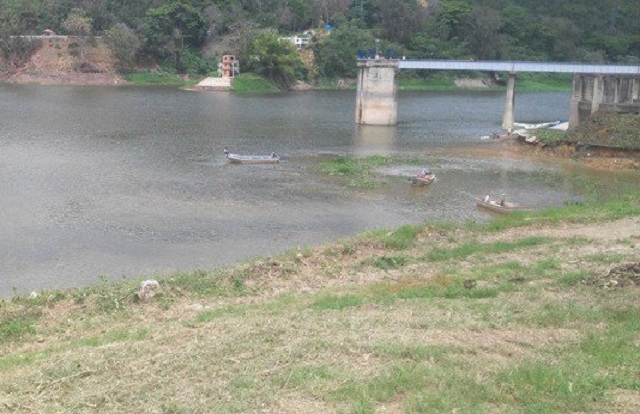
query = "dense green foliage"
{"x": 275, "y": 59}
{"x": 186, "y": 37}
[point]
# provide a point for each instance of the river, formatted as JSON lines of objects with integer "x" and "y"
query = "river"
{"x": 120, "y": 182}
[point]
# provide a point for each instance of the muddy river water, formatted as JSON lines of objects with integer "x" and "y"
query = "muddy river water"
{"x": 125, "y": 182}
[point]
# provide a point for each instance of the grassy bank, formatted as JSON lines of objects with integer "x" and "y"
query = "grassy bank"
{"x": 157, "y": 79}
{"x": 603, "y": 129}
{"x": 250, "y": 83}
{"x": 521, "y": 314}
{"x": 446, "y": 81}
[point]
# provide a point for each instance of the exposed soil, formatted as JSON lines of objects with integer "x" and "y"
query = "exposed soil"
{"x": 55, "y": 63}
{"x": 601, "y": 159}
{"x": 511, "y": 148}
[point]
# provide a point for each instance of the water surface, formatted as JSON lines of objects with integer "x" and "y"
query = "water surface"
{"x": 128, "y": 182}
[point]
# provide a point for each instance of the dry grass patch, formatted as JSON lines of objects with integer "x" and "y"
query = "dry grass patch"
{"x": 499, "y": 323}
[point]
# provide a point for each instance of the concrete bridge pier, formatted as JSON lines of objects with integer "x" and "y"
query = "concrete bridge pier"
{"x": 576, "y": 96}
{"x": 377, "y": 93}
{"x": 508, "y": 116}
{"x": 597, "y": 93}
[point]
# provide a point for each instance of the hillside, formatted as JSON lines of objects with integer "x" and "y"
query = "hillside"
{"x": 55, "y": 62}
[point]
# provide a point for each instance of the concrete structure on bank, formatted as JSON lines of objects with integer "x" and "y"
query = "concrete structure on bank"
{"x": 596, "y": 87}
{"x": 377, "y": 92}
{"x": 228, "y": 68}
{"x": 603, "y": 93}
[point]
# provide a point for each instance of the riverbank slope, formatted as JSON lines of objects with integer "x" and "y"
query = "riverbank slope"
{"x": 524, "y": 311}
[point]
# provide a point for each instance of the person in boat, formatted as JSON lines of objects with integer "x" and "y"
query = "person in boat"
{"x": 424, "y": 173}
{"x": 274, "y": 155}
{"x": 502, "y": 200}
{"x": 487, "y": 198}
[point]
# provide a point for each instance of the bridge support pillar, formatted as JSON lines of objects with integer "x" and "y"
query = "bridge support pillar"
{"x": 507, "y": 118}
{"x": 576, "y": 97}
{"x": 377, "y": 94}
{"x": 593, "y": 93}
{"x": 598, "y": 93}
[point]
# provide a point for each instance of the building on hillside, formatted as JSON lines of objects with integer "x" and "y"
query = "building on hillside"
{"x": 300, "y": 42}
{"x": 228, "y": 67}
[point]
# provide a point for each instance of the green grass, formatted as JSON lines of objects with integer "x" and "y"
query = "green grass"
{"x": 401, "y": 238}
{"x": 592, "y": 211}
{"x": 445, "y": 81}
{"x": 15, "y": 328}
{"x": 543, "y": 387}
{"x": 337, "y": 302}
{"x": 156, "y": 79}
{"x": 116, "y": 335}
{"x": 607, "y": 258}
{"x": 552, "y": 137}
{"x": 316, "y": 330}
{"x": 358, "y": 172}
{"x": 539, "y": 82}
{"x": 603, "y": 129}
{"x": 229, "y": 311}
{"x": 610, "y": 129}
{"x": 390, "y": 262}
{"x": 250, "y": 83}
{"x": 467, "y": 249}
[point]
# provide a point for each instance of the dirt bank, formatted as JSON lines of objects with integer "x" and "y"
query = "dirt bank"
{"x": 511, "y": 148}
{"x": 58, "y": 62}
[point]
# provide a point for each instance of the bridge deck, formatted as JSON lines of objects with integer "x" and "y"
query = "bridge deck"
{"x": 515, "y": 66}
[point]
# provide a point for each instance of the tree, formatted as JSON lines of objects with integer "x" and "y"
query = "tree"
{"x": 78, "y": 24}
{"x": 295, "y": 15}
{"x": 276, "y": 59}
{"x": 124, "y": 44}
{"x": 335, "y": 55}
{"x": 171, "y": 28}
{"x": 451, "y": 18}
{"x": 484, "y": 38}
{"x": 400, "y": 19}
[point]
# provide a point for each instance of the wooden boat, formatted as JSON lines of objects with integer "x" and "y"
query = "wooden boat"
{"x": 497, "y": 207}
{"x": 423, "y": 179}
{"x": 252, "y": 159}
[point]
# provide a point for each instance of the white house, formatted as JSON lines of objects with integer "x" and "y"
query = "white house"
{"x": 300, "y": 42}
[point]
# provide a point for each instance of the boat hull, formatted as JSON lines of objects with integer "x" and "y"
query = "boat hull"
{"x": 253, "y": 159}
{"x": 495, "y": 206}
{"x": 423, "y": 180}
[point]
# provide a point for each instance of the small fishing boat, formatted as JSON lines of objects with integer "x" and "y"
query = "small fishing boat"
{"x": 423, "y": 178}
{"x": 252, "y": 159}
{"x": 499, "y": 206}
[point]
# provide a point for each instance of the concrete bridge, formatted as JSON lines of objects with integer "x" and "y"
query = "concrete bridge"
{"x": 596, "y": 87}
